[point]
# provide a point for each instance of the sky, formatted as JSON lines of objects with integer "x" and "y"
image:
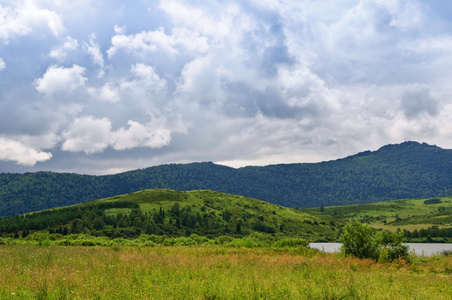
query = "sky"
{"x": 105, "y": 86}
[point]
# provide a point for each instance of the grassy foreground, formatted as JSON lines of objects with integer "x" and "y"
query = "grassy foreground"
{"x": 59, "y": 272}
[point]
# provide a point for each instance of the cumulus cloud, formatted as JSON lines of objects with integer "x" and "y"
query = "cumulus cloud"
{"x": 60, "y": 79}
{"x": 24, "y": 17}
{"x": 139, "y": 135}
{"x": 242, "y": 82}
{"x": 90, "y": 135}
{"x": 146, "y": 77}
{"x": 108, "y": 93}
{"x": 148, "y": 42}
{"x": 12, "y": 150}
{"x": 87, "y": 134}
{"x": 61, "y": 51}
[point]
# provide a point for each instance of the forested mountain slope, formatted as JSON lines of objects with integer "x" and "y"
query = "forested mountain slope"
{"x": 407, "y": 170}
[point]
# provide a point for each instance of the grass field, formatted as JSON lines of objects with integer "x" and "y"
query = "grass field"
{"x": 58, "y": 272}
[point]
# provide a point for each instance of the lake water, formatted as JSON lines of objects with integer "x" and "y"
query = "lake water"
{"x": 418, "y": 248}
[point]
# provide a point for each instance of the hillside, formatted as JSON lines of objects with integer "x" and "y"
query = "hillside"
{"x": 175, "y": 214}
{"x": 401, "y": 171}
{"x": 417, "y": 218}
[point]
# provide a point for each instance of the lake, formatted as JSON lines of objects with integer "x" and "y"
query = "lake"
{"x": 418, "y": 248}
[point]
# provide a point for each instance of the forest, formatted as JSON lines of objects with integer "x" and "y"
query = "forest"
{"x": 407, "y": 170}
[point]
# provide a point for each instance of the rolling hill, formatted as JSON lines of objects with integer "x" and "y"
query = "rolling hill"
{"x": 174, "y": 214}
{"x": 403, "y": 213}
{"x": 400, "y": 171}
{"x": 422, "y": 220}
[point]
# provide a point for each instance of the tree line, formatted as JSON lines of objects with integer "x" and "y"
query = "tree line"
{"x": 432, "y": 232}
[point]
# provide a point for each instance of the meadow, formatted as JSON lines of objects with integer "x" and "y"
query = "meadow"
{"x": 213, "y": 272}
{"x": 391, "y": 215}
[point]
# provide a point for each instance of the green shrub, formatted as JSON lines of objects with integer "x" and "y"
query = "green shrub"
{"x": 364, "y": 242}
{"x": 223, "y": 239}
{"x": 390, "y": 245}
{"x": 433, "y": 201}
{"x": 357, "y": 240}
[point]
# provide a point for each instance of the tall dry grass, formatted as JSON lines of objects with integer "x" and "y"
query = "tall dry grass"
{"x": 58, "y": 272}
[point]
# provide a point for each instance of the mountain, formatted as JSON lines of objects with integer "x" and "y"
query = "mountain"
{"x": 398, "y": 171}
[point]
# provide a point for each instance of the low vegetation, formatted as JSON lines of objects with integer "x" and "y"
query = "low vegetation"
{"x": 57, "y": 272}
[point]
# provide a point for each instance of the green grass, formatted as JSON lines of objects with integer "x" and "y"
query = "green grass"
{"x": 30, "y": 272}
{"x": 404, "y": 214}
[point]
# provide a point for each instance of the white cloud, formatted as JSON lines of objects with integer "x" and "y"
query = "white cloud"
{"x": 87, "y": 134}
{"x": 46, "y": 141}
{"x": 94, "y": 50}
{"x": 2, "y": 64}
{"x": 146, "y": 77}
{"x": 61, "y": 52}
{"x": 24, "y": 17}
{"x": 60, "y": 79}
{"x": 148, "y": 42}
{"x": 218, "y": 21}
{"x": 139, "y": 135}
{"x": 12, "y": 150}
{"x": 108, "y": 93}
{"x": 119, "y": 29}
{"x": 90, "y": 135}
{"x": 405, "y": 14}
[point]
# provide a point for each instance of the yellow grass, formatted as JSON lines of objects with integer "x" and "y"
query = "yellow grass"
{"x": 30, "y": 272}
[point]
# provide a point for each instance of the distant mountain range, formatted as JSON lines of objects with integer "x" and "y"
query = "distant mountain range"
{"x": 406, "y": 170}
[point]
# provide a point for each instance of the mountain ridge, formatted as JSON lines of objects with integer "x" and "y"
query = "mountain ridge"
{"x": 395, "y": 171}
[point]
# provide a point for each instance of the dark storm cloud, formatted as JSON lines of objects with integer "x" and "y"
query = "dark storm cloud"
{"x": 244, "y": 101}
{"x": 419, "y": 101}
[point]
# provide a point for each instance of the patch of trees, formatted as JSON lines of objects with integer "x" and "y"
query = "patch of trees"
{"x": 433, "y": 231}
{"x": 130, "y": 222}
{"x": 56, "y": 218}
{"x": 433, "y": 201}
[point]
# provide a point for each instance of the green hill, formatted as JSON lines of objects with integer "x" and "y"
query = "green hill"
{"x": 407, "y": 170}
{"x": 173, "y": 213}
{"x": 423, "y": 217}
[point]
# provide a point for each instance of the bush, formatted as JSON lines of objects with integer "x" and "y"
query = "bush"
{"x": 223, "y": 239}
{"x": 357, "y": 240}
{"x": 390, "y": 246}
{"x": 364, "y": 242}
{"x": 433, "y": 201}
